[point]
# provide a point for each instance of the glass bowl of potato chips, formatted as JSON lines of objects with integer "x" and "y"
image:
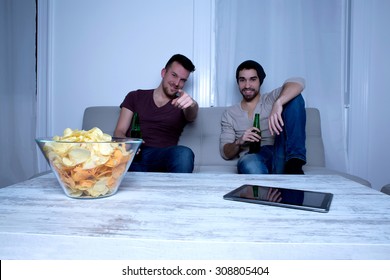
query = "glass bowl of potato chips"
{"x": 89, "y": 164}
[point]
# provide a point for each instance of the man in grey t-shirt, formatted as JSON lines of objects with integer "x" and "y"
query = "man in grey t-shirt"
{"x": 282, "y": 123}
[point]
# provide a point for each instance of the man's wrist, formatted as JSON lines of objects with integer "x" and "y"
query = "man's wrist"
{"x": 193, "y": 106}
{"x": 194, "y": 103}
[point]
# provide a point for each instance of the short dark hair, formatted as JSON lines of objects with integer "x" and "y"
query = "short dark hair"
{"x": 183, "y": 60}
{"x": 251, "y": 64}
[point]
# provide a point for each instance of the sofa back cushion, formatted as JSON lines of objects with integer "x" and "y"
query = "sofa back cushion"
{"x": 202, "y": 136}
{"x": 103, "y": 117}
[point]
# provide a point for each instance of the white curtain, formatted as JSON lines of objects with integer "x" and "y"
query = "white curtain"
{"x": 288, "y": 38}
{"x": 17, "y": 91}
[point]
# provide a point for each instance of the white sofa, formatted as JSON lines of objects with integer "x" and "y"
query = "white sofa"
{"x": 202, "y": 136}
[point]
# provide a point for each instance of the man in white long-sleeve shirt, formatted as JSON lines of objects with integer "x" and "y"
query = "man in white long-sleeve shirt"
{"x": 282, "y": 123}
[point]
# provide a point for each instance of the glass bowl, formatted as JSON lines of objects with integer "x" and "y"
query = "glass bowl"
{"x": 89, "y": 169}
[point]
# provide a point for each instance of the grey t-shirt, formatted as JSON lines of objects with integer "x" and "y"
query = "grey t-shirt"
{"x": 235, "y": 120}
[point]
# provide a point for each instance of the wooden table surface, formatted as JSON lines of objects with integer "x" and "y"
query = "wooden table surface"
{"x": 183, "y": 216}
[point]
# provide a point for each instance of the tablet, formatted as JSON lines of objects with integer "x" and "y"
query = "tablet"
{"x": 282, "y": 197}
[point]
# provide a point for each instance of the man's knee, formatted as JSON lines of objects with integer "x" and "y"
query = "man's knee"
{"x": 250, "y": 164}
{"x": 295, "y": 106}
{"x": 182, "y": 160}
{"x": 185, "y": 152}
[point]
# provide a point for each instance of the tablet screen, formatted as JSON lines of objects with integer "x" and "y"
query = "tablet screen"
{"x": 282, "y": 197}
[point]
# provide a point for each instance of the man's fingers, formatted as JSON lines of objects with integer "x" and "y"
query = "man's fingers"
{"x": 275, "y": 124}
{"x": 183, "y": 100}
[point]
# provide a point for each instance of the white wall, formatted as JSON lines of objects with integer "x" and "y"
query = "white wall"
{"x": 100, "y": 50}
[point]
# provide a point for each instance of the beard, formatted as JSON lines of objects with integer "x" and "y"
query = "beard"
{"x": 170, "y": 91}
{"x": 249, "y": 94}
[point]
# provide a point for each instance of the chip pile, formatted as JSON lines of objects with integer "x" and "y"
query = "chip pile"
{"x": 87, "y": 162}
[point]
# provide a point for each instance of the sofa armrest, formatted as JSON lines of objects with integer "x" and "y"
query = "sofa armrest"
{"x": 103, "y": 117}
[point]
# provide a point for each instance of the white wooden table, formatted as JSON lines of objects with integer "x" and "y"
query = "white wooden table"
{"x": 183, "y": 216}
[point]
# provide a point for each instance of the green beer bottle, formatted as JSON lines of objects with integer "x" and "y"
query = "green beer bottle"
{"x": 254, "y": 147}
{"x": 135, "y": 131}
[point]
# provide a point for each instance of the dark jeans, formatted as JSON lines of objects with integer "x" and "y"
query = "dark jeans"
{"x": 175, "y": 159}
{"x": 289, "y": 144}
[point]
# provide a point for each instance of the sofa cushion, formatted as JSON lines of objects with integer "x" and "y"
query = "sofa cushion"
{"x": 103, "y": 117}
{"x": 202, "y": 136}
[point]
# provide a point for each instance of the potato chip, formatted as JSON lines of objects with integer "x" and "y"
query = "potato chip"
{"x": 90, "y": 164}
{"x": 100, "y": 188}
{"x": 79, "y": 155}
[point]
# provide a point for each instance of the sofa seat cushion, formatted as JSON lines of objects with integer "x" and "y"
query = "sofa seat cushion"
{"x": 215, "y": 169}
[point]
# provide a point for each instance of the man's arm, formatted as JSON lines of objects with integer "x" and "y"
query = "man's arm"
{"x": 231, "y": 150}
{"x": 229, "y": 147}
{"x": 191, "y": 112}
{"x": 290, "y": 90}
{"x": 123, "y": 123}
